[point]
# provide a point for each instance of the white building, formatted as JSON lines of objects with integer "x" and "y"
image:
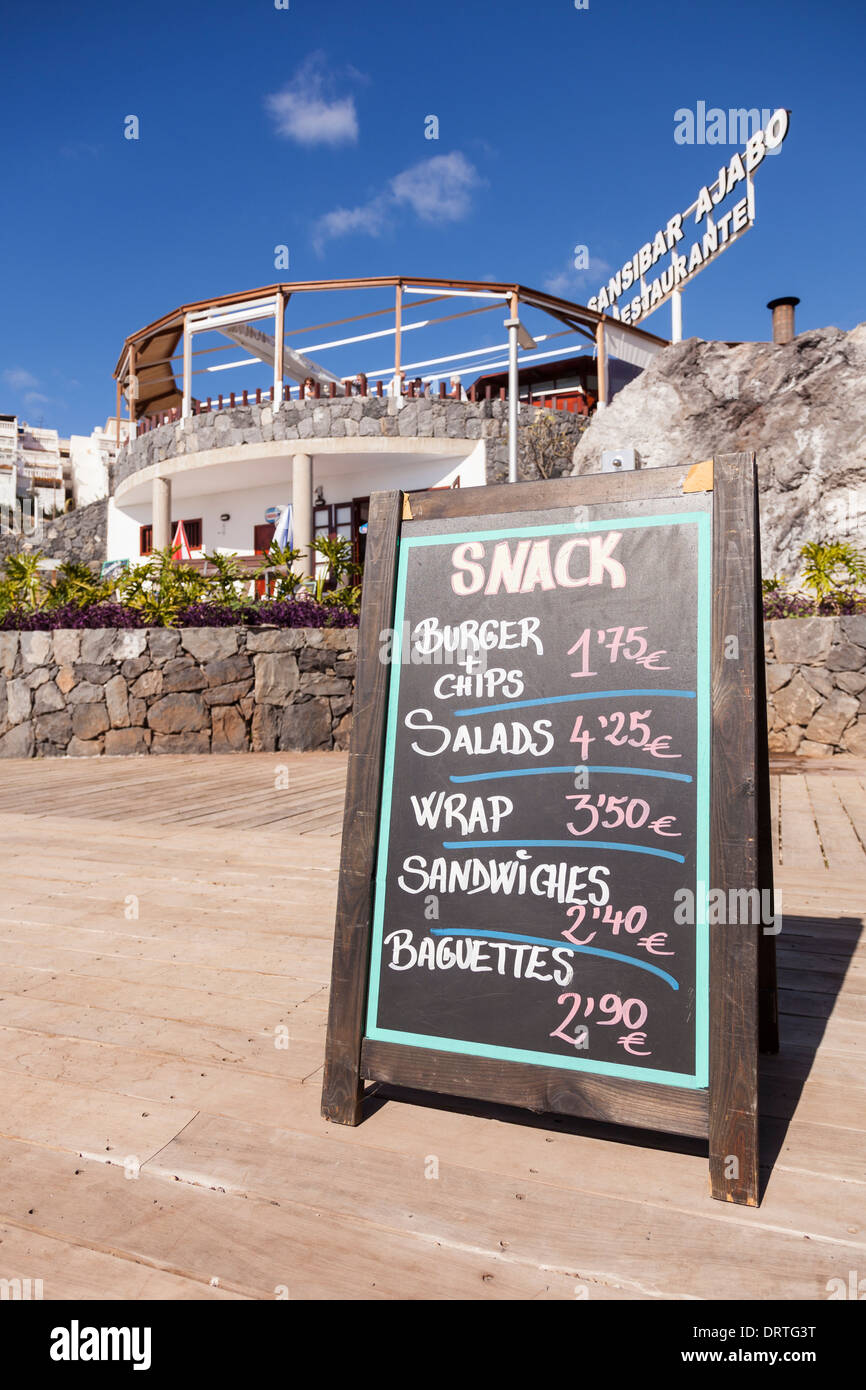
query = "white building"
{"x": 90, "y": 459}
{"x": 223, "y": 445}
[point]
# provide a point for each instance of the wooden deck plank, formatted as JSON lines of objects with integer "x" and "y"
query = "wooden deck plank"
{"x": 155, "y": 1036}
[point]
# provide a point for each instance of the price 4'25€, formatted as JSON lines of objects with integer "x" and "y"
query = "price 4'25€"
{"x": 623, "y": 728}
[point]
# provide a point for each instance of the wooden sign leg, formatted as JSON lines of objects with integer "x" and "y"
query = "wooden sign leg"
{"x": 768, "y": 1010}
{"x": 734, "y": 849}
{"x": 342, "y": 1088}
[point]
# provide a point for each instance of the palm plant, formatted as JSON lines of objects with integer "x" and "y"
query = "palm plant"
{"x": 160, "y": 589}
{"x": 283, "y": 559}
{"x": 832, "y": 569}
{"x": 77, "y": 584}
{"x": 225, "y": 585}
{"x": 23, "y": 580}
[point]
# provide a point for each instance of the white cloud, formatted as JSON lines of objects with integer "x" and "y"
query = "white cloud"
{"x": 569, "y": 282}
{"x": 436, "y": 190}
{"x": 369, "y": 220}
{"x": 307, "y": 112}
{"x": 19, "y": 379}
{"x": 36, "y": 398}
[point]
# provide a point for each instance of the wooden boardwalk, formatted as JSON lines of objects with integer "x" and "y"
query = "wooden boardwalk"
{"x": 165, "y": 934}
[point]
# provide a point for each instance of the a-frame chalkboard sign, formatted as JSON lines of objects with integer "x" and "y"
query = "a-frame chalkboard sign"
{"x": 556, "y": 832}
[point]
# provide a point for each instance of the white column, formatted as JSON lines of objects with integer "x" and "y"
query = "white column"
{"x": 677, "y": 316}
{"x": 279, "y": 332}
{"x": 187, "y": 369}
{"x": 302, "y": 511}
{"x": 162, "y": 537}
{"x": 513, "y": 325}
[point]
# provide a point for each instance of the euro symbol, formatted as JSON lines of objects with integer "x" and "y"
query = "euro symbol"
{"x": 659, "y": 746}
{"x": 632, "y": 1044}
{"x": 654, "y": 943}
{"x": 658, "y": 826}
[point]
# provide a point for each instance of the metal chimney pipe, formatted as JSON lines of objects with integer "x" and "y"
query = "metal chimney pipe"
{"x": 783, "y": 318}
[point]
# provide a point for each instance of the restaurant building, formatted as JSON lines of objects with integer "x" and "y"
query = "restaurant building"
{"x": 358, "y": 385}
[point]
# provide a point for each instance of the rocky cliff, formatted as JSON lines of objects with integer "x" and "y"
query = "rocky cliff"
{"x": 801, "y": 407}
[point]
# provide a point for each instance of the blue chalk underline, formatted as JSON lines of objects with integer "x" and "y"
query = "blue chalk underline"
{"x": 563, "y": 844}
{"x": 543, "y": 771}
{"x": 565, "y": 699}
{"x": 560, "y": 946}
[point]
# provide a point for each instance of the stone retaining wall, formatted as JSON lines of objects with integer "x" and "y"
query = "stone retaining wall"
{"x": 157, "y": 690}
{"x": 81, "y": 534}
{"x": 226, "y": 690}
{"x": 816, "y": 685}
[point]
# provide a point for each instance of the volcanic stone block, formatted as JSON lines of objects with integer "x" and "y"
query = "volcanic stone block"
{"x": 265, "y": 728}
{"x": 855, "y": 737}
{"x": 808, "y": 749}
{"x": 117, "y": 701}
{"x": 854, "y": 628}
{"x": 37, "y": 677}
{"x": 89, "y": 721}
{"x": 319, "y": 683}
{"x": 799, "y": 641}
{"x": 832, "y": 719}
{"x": 307, "y": 726}
{"x": 137, "y": 711}
{"x": 97, "y": 645}
{"x": 84, "y": 748}
{"x": 18, "y": 743}
{"x": 228, "y": 694}
{"x": 229, "y": 731}
{"x": 209, "y": 643}
{"x": 130, "y": 645}
{"x": 797, "y": 702}
{"x": 162, "y": 644}
{"x": 85, "y": 693}
{"x": 845, "y": 656}
{"x": 135, "y": 667}
{"x": 149, "y": 683}
{"x": 188, "y": 742}
{"x": 785, "y": 740}
{"x": 178, "y": 714}
{"x": 8, "y": 652}
{"x": 48, "y": 699}
{"x": 282, "y": 639}
{"x": 67, "y": 646}
{"x": 55, "y": 728}
{"x": 36, "y": 648}
{"x": 229, "y": 671}
{"x": 66, "y": 679}
{"x": 343, "y": 732}
{"x": 90, "y": 671}
{"x": 182, "y": 674}
{"x": 127, "y": 742}
{"x": 852, "y": 682}
{"x": 276, "y": 677}
{"x": 19, "y": 701}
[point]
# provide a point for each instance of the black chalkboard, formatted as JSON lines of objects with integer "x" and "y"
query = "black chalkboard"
{"x": 528, "y": 839}
{"x": 546, "y": 797}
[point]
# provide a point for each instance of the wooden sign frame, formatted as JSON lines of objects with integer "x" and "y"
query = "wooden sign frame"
{"x": 742, "y": 983}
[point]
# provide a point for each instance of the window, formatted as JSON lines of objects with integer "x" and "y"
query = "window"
{"x": 345, "y": 519}
{"x": 193, "y": 534}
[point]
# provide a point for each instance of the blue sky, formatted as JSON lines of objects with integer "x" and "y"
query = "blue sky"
{"x": 306, "y": 127}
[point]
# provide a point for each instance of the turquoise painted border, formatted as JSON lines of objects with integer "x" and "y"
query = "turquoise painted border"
{"x": 699, "y": 1080}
